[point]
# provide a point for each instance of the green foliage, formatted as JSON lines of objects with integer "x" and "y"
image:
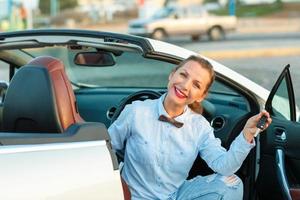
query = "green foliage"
{"x": 253, "y": 10}
{"x": 210, "y": 1}
{"x": 258, "y": 10}
{"x": 66, "y": 4}
{"x": 44, "y": 5}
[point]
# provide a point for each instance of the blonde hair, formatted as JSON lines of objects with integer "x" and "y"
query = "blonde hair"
{"x": 196, "y": 106}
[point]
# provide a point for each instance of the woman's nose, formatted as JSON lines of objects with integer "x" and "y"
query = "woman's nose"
{"x": 186, "y": 85}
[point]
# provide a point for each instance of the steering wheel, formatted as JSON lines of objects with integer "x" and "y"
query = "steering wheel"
{"x": 140, "y": 95}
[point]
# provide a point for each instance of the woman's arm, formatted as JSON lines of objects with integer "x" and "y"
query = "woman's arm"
{"x": 120, "y": 130}
{"x": 228, "y": 162}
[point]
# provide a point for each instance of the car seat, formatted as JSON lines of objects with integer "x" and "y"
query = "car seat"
{"x": 40, "y": 99}
{"x": 40, "y": 87}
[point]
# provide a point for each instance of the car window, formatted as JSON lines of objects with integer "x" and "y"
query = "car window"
{"x": 281, "y": 103}
{"x": 295, "y": 76}
{"x": 163, "y": 13}
{"x": 4, "y": 79}
{"x": 4, "y": 75}
{"x": 182, "y": 12}
{"x": 195, "y": 11}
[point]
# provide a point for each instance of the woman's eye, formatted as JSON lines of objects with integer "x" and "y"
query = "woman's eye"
{"x": 197, "y": 86}
{"x": 183, "y": 74}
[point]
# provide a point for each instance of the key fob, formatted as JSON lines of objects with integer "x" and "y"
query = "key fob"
{"x": 261, "y": 123}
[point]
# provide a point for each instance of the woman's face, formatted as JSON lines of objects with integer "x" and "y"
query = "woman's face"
{"x": 188, "y": 84}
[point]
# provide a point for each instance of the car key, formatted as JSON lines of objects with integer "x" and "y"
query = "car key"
{"x": 260, "y": 124}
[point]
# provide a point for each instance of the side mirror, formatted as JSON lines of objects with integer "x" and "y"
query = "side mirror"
{"x": 175, "y": 16}
{"x": 95, "y": 59}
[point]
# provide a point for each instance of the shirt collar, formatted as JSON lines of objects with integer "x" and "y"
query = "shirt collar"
{"x": 162, "y": 111}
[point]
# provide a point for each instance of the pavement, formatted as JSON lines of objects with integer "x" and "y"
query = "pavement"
{"x": 245, "y": 26}
{"x": 261, "y": 26}
{"x": 252, "y": 53}
{"x": 268, "y": 25}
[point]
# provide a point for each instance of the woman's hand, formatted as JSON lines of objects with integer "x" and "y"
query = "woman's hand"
{"x": 250, "y": 127}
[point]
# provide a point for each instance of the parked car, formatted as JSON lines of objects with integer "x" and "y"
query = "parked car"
{"x": 66, "y": 87}
{"x": 193, "y": 21}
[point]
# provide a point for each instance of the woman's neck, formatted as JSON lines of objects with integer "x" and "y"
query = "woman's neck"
{"x": 172, "y": 109}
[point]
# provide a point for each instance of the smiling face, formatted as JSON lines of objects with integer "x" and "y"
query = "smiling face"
{"x": 187, "y": 84}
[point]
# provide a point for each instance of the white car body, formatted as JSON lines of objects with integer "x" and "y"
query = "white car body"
{"x": 52, "y": 171}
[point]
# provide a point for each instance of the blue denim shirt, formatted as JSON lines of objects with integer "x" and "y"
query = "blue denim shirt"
{"x": 159, "y": 156}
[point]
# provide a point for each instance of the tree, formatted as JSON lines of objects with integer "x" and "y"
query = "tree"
{"x": 67, "y": 4}
{"x": 44, "y": 5}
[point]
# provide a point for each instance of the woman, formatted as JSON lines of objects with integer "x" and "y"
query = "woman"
{"x": 164, "y": 136}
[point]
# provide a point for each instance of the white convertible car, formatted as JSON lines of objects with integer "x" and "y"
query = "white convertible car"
{"x": 64, "y": 88}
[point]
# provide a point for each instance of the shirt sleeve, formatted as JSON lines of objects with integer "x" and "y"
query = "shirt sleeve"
{"x": 120, "y": 130}
{"x": 219, "y": 159}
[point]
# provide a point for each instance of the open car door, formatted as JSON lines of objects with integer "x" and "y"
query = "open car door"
{"x": 279, "y": 163}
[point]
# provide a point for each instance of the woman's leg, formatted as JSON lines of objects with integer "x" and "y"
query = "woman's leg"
{"x": 210, "y": 187}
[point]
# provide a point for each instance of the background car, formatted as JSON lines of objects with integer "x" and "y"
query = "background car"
{"x": 194, "y": 21}
{"x": 66, "y": 87}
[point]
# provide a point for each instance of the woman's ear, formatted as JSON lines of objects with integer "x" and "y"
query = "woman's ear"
{"x": 202, "y": 97}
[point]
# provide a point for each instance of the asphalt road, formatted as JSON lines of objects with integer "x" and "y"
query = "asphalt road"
{"x": 238, "y": 41}
{"x": 262, "y": 69}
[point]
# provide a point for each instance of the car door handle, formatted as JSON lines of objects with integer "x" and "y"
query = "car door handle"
{"x": 281, "y": 175}
{"x": 280, "y": 134}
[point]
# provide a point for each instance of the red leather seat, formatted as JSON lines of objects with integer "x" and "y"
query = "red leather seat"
{"x": 295, "y": 193}
{"x": 126, "y": 192}
{"x": 64, "y": 95}
{"x": 40, "y": 99}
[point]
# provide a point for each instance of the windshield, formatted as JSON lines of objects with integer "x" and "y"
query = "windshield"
{"x": 162, "y": 13}
{"x": 132, "y": 70}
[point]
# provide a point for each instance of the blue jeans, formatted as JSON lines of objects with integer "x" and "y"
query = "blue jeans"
{"x": 211, "y": 187}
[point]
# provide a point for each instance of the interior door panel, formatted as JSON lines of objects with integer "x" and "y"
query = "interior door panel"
{"x": 268, "y": 183}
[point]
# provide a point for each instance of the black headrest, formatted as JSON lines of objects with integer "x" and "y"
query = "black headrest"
{"x": 29, "y": 105}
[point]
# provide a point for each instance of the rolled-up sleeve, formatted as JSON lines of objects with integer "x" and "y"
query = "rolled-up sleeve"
{"x": 119, "y": 131}
{"x": 219, "y": 159}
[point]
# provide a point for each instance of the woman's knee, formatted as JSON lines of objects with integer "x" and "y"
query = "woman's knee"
{"x": 233, "y": 186}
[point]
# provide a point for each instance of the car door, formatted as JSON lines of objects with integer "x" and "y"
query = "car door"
{"x": 279, "y": 171}
{"x": 178, "y": 22}
{"x": 67, "y": 170}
